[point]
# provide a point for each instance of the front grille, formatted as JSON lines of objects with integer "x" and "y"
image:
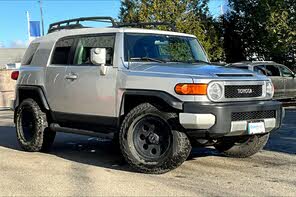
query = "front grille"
{"x": 239, "y": 116}
{"x": 243, "y": 91}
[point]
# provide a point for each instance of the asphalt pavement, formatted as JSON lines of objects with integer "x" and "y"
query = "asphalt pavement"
{"x": 86, "y": 166}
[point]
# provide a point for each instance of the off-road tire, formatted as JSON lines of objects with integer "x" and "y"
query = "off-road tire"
{"x": 251, "y": 146}
{"x": 43, "y": 137}
{"x": 177, "y": 153}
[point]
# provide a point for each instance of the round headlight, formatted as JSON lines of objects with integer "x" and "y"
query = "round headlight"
{"x": 215, "y": 91}
{"x": 269, "y": 90}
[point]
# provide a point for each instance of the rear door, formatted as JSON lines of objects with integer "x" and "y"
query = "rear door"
{"x": 290, "y": 81}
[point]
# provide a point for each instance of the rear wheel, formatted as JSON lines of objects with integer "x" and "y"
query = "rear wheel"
{"x": 242, "y": 147}
{"x": 152, "y": 141}
{"x": 32, "y": 129}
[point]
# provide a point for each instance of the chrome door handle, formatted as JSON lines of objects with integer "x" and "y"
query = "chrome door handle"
{"x": 71, "y": 77}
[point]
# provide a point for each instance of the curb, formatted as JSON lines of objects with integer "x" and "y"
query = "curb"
{"x": 5, "y": 109}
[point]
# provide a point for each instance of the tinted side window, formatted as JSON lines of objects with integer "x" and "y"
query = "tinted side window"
{"x": 286, "y": 72}
{"x": 62, "y": 51}
{"x": 85, "y": 44}
{"x": 260, "y": 69}
{"x": 241, "y": 67}
{"x": 272, "y": 70}
{"x": 27, "y": 59}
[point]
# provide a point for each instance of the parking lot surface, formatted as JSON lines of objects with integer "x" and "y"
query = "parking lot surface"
{"x": 85, "y": 166}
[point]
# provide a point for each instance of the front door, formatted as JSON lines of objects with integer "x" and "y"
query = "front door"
{"x": 87, "y": 91}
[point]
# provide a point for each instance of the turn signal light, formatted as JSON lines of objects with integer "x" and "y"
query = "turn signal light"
{"x": 15, "y": 75}
{"x": 191, "y": 89}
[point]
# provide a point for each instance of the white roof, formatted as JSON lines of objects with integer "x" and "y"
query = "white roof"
{"x": 63, "y": 33}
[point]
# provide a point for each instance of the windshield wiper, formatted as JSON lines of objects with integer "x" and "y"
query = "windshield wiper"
{"x": 148, "y": 59}
{"x": 192, "y": 62}
{"x": 199, "y": 61}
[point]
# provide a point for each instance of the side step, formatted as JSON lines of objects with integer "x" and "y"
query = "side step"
{"x": 57, "y": 128}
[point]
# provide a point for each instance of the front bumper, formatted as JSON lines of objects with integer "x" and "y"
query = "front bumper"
{"x": 217, "y": 119}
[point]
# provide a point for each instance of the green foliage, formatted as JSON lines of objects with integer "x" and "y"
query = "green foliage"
{"x": 187, "y": 15}
{"x": 180, "y": 51}
{"x": 265, "y": 28}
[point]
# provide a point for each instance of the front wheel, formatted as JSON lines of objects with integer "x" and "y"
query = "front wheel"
{"x": 241, "y": 147}
{"x": 152, "y": 141}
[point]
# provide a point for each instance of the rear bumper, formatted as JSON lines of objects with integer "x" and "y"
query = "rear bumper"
{"x": 229, "y": 119}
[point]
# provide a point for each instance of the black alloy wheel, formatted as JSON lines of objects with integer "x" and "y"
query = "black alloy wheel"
{"x": 152, "y": 137}
{"x": 28, "y": 123}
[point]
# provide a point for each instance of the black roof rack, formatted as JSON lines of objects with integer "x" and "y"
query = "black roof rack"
{"x": 75, "y": 23}
{"x": 147, "y": 24}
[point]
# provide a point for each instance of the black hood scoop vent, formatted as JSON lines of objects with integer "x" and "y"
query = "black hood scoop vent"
{"x": 235, "y": 75}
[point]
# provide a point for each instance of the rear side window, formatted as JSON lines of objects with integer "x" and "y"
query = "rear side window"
{"x": 261, "y": 69}
{"x": 30, "y": 52}
{"x": 62, "y": 50}
{"x": 272, "y": 71}
{"x": 241, "y": 67}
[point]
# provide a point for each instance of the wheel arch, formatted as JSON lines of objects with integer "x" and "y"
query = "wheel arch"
{"x": 34, "y": 92}
{"x": 132, "y": 98}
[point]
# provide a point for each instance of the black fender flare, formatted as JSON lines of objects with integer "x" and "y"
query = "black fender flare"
{"x": 36, "y": 89}
{"x": 166, "y": 97}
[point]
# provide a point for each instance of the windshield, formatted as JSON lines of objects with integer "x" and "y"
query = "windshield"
{"x": 164, "y": 48}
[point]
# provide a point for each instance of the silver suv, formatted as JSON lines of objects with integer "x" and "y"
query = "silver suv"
{"x": 281, "y": 76}
{"x": 154, "y": 91}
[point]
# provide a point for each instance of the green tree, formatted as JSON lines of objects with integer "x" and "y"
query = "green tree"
{"x": 129, "y": 11}
{"x": 262, "y": 28}
{"x": 189, "y": 16}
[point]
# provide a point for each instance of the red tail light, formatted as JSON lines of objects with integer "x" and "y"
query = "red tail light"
{"x": 15, "y": 75}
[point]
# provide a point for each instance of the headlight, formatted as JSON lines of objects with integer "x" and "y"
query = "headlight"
{"x": 269, "y": 90}
{"x": 215, "y": 91}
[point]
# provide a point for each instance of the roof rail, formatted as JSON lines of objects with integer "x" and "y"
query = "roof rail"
{"x": 75, "y": 23}
{"x": 147, "y": 24}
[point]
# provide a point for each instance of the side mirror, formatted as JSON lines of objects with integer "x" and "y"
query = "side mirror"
{"x": 98, "y": 57}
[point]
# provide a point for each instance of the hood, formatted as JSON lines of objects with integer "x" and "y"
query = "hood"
{"x": 201, "y": 70}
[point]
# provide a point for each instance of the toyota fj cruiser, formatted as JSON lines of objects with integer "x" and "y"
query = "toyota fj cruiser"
{"x": 155, "y": 91}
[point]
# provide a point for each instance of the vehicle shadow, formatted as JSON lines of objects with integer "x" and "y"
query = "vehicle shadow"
{"x": 284, "y": 140}
{"x": 77, "y": 148}
{"x": 103, "y": 153}
{"x": 87, "y": 150}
